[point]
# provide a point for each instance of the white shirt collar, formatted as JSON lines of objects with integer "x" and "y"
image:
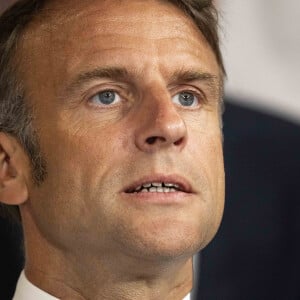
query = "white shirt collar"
{"x": 187, "y": 297}
{"x": 26, "y": 291}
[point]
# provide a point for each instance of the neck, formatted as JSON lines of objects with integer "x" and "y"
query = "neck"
{"x": 99, "y": 279}
{"x": 85, "y": 271}
{"x": 85, "y": 274}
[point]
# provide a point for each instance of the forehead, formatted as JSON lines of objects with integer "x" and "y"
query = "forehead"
{"x": 150, "y": 19}
{"x": 64, "y": 12}
{"x": 71, "y": 35}
{"x": 67, "y": 19}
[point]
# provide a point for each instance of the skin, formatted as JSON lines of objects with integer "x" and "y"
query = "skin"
{"x": 85, "y": 238}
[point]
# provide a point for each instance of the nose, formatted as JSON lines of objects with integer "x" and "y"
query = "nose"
{"x": 159, "y": 124}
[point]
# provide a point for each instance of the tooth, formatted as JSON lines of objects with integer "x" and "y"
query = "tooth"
{"x": 146, "y": 185}
{"x": 144, "y": 191}
{"x": 138, "y": 188}
{"x": 158, "y": 184}
{"x": 168, "y": 184}
{"x": 176, "y": 186}
{"x": 152, "y": 189}
{"x": 160, "y": 190}
{"x": 173, "y": 190}
{"x": 166, "y": 190}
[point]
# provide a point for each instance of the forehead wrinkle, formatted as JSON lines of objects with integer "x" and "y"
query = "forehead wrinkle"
{"x": 61, "y": 14}
{"x": 100, "y": 28}
{"x": 179, "y": 40}
{"x": 62, "y": 39}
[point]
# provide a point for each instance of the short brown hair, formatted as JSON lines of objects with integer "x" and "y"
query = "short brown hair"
{"x": 15, "y": 114}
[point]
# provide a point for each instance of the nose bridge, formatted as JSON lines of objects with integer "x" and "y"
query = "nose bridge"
{"x": 159, "y": 105}
{"x": 160, "y": 124}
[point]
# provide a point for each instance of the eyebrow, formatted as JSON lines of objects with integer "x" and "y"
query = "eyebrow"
{"x": 190, "y": 75}
{"x": 212, "y": 81}
{"x": 122, "y": 75}
{"x": 114, "y": 73}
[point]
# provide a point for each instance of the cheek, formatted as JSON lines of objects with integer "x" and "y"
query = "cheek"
{"x": 205, "y": 144}
{"x": 217, "y": 177}
{"x": 77, "y": 162}
{"x": 207, "y": 151}
{"x": 80, "y": 143}
{"x": 88, "y": 161}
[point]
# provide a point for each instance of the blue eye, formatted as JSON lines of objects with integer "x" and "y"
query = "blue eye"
{"x": 186, "y": 99}
{"x": 106, "y": 98}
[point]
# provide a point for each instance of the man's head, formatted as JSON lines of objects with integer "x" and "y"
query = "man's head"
{"x": 113, "y": 95}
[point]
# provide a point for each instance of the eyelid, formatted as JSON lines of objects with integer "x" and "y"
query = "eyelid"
{"x": 95, "y": 90}
{"x": 199, "y": 94}
{"x": 93, "y": 100}
{"x": 188, "y": 88}
{"x": 126, "y": 95}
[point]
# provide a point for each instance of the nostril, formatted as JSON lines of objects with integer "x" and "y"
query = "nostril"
{"x": 151, "y": 140}
{"x": 178, "y": 142}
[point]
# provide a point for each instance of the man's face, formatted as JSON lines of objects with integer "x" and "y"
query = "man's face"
{"x": 125, "y": 93}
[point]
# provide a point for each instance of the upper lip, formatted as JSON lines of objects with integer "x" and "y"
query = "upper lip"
{"x": 183, "y": 183}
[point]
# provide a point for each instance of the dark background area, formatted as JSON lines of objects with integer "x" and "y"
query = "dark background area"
{"x": 11, "y": 257}
{"x": 255, "y": 254}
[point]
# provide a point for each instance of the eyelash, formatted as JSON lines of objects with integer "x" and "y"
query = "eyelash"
{"x": 106, "y": 91}
{"x": 197, "y": 94}
{"x": 103, "y": 90}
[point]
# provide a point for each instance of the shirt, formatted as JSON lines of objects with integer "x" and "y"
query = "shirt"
{"x": 27, "y": 291}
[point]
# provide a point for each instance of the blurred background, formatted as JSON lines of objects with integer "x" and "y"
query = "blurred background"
{"x": 255, "y": 254}
{"x": 261, "y": 48}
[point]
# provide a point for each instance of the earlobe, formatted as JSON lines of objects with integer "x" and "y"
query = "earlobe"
{"x": 13, "y": 183}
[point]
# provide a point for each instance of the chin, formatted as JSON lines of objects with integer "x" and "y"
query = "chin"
{"x": 167, "y": 244}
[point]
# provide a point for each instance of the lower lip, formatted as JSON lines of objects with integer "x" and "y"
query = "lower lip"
{"x": 159, "y": 198}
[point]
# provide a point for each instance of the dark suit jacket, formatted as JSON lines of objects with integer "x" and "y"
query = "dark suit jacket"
{"x": 255, "y": 255}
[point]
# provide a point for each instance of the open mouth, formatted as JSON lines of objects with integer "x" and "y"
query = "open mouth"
{"x": 156, "y": 187}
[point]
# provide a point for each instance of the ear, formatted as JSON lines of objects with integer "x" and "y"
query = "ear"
{"x": 14, "y": 171}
